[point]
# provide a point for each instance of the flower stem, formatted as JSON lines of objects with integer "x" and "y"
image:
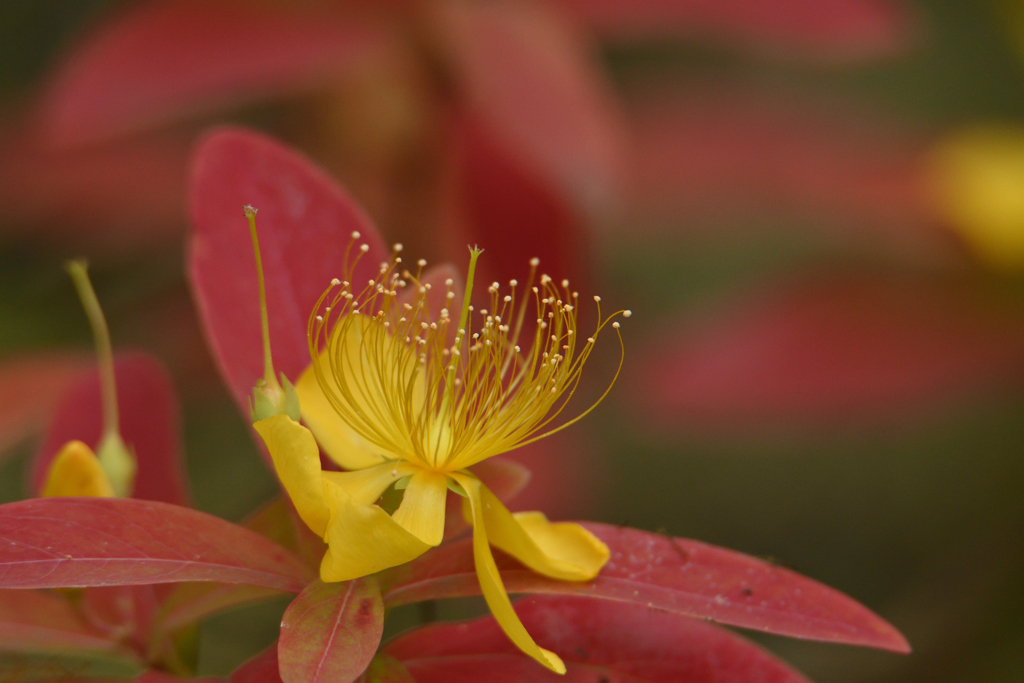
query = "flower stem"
{"x": 268, "y": 363}
{"x": 78, "y": 270}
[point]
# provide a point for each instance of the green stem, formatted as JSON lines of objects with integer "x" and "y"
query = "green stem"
{"x": 78, "y": 270}
{"x": 268, "y": 363}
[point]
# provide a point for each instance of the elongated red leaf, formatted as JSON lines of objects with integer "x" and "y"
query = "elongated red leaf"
{"x": 596, "y": 638}
{"x": 32, "y": 386}
{"x": 263, "y": 668}
{"x": 717, "y": 151}
{"x": 818, "y": 29}
{"x": 331, "y": 632}
{"x": 149, "y": 422}
{"x": 305, "y": 222}
{"x": 42, "y": 636}
{"x": 672, "y": 574}
{"x": 123, "y": 197}
{"x": 38, "y": 621}
{"x": 168, "y": 58}
{"x": 53, "y": 542}
{"x": 828, "y": 350}
{"x": 538, "y": 90}
{"x": 515, "y": 215}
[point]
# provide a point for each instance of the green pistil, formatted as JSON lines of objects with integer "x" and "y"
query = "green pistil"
{"x": 474, "y": 254}
{"x": 270, "y": 397}
{"x": 114, "y": 456}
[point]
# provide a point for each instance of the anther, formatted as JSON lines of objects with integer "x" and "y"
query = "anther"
{"x": 364, "y": 248}
{"x": 626, "y": 313}
{"x": 535, "y": 262}
{"x": 335, "y": 282}
{"x": 356, "y": 235}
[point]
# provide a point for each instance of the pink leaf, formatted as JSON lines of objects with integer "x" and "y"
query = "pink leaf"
{"x": 823, "y": 29}
{"x": 38, "y": 621}
{"x": 331, "y": 632}
{"x": 598, "y": 640}
{"x": 263, "y": 668}
{"x": 168, "y": 58}
{"x": 53, "y": 542}
{"x": 830, "y": 349}
{"x": 122, "y": 197}
{"x": 538, "y": 91}
{"x": 676, "y": 575}
{"x": 516, "y": 215}
{"x": 149, "y": 421}
{"x": 305, "y": 223}
{"x": 704, "y": 152}
{"x": 32, "y": 386}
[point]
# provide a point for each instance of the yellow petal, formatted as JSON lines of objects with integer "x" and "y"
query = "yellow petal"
{"x": 490, "y": 580}
{"x": 977, "y": 175}
{"x": 297, "y": 461}
{"x": 363, "y": 539}
{"x": 561, "y": 550}
{"x": 365, "y": 486}
{"x": 422, "y": 510}
{"x": 77, "y": 472}
{"x": 339, "y": 441}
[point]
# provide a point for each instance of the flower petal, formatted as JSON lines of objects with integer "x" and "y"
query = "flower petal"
{"x": 297, "y": 461}
{"x": 563, "y": 550}
{"x": 77, "y": 472}
{"x": 490, "y": 580}
{"x": 339, "y": 441}
{"x": 362, "y": 539}
{"x": 422, "y": 510}
{"x": 365, "y": 486}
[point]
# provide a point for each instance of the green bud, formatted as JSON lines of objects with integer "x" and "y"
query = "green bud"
{"x": 118, "y": 461}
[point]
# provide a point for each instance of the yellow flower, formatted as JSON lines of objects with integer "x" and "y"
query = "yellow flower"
{"x": 399, "y": 395}
{"x": 976, "y": 177}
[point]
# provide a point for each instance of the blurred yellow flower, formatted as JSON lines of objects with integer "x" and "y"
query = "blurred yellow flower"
{"x": 400, "y": 396}
{"x": 978, "y": 184}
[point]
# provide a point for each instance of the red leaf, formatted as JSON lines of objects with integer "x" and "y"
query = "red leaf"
{"x": 122, "y": 613}
{"x": 263, "y": 668}
{"x": 824, "y": 29}
{"x": 598, "y": 640}
{"x": 331, "y": 631}
{"x": 715, "y": 153}
{"x": 120, "y": 197}
{"x": 675, "y": 575}
{"x": 538, "y": 90}
{"x": 166, "y": 59}
{"x": 150, "y": 426}
{"x": 32, "y": 385}
{"x": 829, "y": 350}
{"x": 38, "y": 621}
{"x": 305, "y": 221}
{"x": 516, "y": 215}
{"x": 53, "y": 542}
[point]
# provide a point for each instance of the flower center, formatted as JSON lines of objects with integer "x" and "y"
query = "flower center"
{"x": 408, "y": 378}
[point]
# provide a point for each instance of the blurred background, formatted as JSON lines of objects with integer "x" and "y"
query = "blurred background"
{"x": 815, "y": 209}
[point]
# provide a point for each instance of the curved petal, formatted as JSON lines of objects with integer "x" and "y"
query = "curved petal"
{"x": 339, "y": 441}
{"x": 562, "y": 550}
{"x": 363, "y": 539}
{"x": 77, "y": 472}
{"x": 490, "y": 580}
{"x": 422, "y": 510}
{"x": 365, "y": 486}
{"x": 297, "y": 461}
